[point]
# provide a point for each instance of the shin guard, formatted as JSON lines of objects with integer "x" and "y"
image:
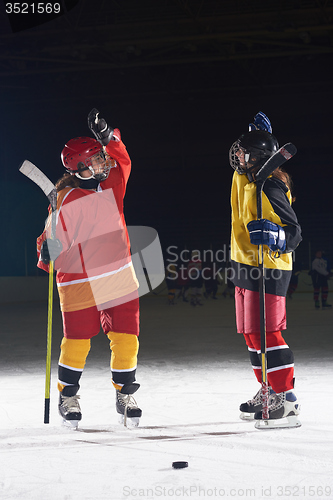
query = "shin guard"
{"x": 280, "y": 360}
{"x": 124, "y": 354}
{"x": 72, "y": 359}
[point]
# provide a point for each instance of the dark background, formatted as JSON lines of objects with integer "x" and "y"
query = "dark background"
{"x": 182, "y": 80}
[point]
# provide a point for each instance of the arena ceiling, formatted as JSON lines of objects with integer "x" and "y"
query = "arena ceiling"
{"x": 172, "y": 45}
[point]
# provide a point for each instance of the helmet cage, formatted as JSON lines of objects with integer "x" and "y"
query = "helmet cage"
{"x": 99, "y": 164}
{"x": 252, "y": 159}
{"x": 234, "y": 158}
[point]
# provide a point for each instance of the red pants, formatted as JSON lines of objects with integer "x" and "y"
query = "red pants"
{"x": 280, "y": 358}
{"x": 86, "y": 323}
{"x": 247, "y": 311}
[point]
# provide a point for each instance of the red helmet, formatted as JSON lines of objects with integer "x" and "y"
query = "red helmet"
{"x": 77, "y": 151}
{"x": 77, "y": 156}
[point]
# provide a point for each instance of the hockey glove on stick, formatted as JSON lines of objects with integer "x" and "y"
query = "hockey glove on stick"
{"x": 265, "y": 232}
{"x": 50, "y": 250}
{"x": 99, "y": 127}
{"x": 261, "y": 122}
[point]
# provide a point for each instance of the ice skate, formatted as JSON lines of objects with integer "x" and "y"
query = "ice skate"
{"x": 324, "y": 305}
{"x": 69, "y": 407}
{"x": 252, "y": 406}
{"x": 126, "y": 406}
{"x": 283, "y": 410}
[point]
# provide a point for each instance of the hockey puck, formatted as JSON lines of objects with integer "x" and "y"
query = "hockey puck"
{"x": 179, "y": 465}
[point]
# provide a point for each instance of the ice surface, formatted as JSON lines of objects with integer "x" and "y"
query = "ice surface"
{"x": 194, "y": 372}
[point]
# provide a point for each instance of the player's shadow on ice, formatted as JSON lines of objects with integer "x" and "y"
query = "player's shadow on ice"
{"x": 159, "y": 437}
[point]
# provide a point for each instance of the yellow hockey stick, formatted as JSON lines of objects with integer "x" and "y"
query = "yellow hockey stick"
{"x": 30, "y": 170}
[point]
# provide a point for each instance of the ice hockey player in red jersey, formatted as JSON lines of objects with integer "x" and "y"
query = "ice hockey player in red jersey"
{"x": 96, "y": 280}
{"x": 279, "y": 233}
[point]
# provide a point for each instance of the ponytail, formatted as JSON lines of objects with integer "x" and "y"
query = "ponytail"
{"x": 67, "y": 180}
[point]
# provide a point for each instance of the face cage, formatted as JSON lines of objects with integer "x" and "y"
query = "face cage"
{"x": 235, "y": 163}
{"x": 101, "y": 160}
{"x": 234, "y": 160}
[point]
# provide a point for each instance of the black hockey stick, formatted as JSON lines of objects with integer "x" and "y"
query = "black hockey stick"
{"x": 30, "y": 170}
{"x": 279, "y": 158}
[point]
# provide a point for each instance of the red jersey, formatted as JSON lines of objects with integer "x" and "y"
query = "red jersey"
{"x": 95, "y": 266}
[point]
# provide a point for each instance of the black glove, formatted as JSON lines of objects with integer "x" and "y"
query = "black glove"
{"x": 99, "y": 127}
{"x": 50, "y": 250}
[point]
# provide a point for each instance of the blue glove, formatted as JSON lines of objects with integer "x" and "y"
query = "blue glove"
{"x": 265, "y": 232}
{"x": 261, "y": 122}
{"x": 50, "y": 250}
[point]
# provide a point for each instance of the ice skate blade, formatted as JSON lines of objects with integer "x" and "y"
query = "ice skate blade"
{"x": 129, "y": 422}
{"x": 281, "y": 423}
{"x": 246, "y": 416}
{"x": 71, "y": 424}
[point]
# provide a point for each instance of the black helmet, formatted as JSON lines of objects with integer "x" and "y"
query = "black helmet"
{"x": 257, "y": 145}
